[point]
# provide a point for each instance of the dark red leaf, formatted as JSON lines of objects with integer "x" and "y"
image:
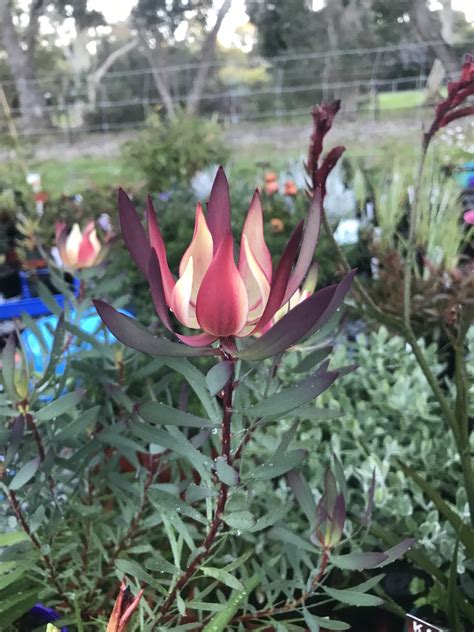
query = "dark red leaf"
{"x": 133, "y": 232}
{"x": 218, "y": 209}
{"x": 134, "y": 335}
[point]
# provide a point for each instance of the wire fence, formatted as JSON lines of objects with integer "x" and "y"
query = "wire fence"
{"x": 374, "y": 83}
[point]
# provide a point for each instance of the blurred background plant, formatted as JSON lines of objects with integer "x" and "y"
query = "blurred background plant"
{"x": 452, "y": 310}
{"x": 174, "y": 150}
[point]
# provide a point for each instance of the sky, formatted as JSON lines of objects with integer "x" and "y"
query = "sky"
{"x": 118, "y": 10}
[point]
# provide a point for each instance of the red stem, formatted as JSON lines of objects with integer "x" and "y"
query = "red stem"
{"x": 36, "y": 543}
{"x": 216, "y": 523}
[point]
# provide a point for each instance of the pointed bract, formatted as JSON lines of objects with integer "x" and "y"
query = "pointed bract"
{"x": 253, "y": 232}
{"x": 133, "y": 232}
{"x": 124, "y": 607}
{"x": 218, "y": 209}
{"x": 222, "y": 303}
{"x": 280, "y": 279}
{"x": 156, "y": 242}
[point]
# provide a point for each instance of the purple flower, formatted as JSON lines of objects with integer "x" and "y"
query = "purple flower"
{"x": 40, "y": 615}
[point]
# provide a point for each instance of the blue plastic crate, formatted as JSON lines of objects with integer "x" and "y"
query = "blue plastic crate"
{"x": 28, "y": 304}
{"x": 89, "y": 323}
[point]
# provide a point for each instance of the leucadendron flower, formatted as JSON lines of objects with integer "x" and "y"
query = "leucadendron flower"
{"x": 330, "y": 515}
{"x": 222, "y": 296}
{"x": 77, "y": 249}
{"x": 124, "y": 607}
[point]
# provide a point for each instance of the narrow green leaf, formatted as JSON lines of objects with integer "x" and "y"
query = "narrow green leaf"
{"x": 291, "y": 398}
{"x": 8, "y": 412}
{"x": 358, "y": 561}
{"x": 353, "y": 598}
{"x": 56, "y": 351}
{"x": 340, "y": 476}
{"x": 9, "y": 578}
{"x": 129, "y": 567}
{"x": 312, "y": 359}
{"x": 238, "y": 562}
{"x": 180, "y": 604}
{"x": 238, "y": 599}
{"x": 164, "y": 439}
{"x": 311, "y": 622}
{"x": 85, "y": 420}
{"x": 24, "y": 475}
{"x": 164, "y": 415}
{"x": 30, "y": 323}
{"x": 117, "y": 440}
{"x": 14, "y": 606}
{"x": 226, "y": 473}
{"x": 15, "y": 438}
{"x": 48, "y": 299}
{"x": 368, "y": 584}
{"x": 397, "y": 551}
{"x": 331, "y": 624}
{"x": 288, "y": 537}
{"x": 222, "y": 576}
{"x": 302, "y": 491}
{"x": 60, "y": 406}
{"x": 285, "y": 462}
{"x": 219, "y": 376}
{"x": 8, "y": 367}
{"x": 160, "y": 565}
{"x": 164, "y": 501}
{"x": 197, "y": 382}
{"x": 274, "y": 515}
{"x": 240, "y": 520}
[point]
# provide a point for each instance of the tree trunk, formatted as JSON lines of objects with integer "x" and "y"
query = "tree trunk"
{"x": 96, "y": 77}
{"x": 428, "y": 26}
{"x": 207, "y": 55}
{"x": 34, "y": 115}
{"x": 158, "y": 77}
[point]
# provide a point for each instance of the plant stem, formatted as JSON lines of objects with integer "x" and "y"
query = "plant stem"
{"x": 30, "y": 422}
{"x": 216, "y": 523}
{"x": 36, "y": 543}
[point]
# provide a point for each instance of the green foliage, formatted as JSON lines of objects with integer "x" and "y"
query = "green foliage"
{"x": 440, "y": 230}
{"x": 111, "y": 470}
{"x": 384, "y": 418}
{"x": 172, "y": 151}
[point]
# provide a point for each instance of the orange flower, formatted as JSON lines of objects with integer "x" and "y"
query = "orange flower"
{"x": 124, "y": 607}
{"x": 277, "y": 225}
{"x": 290, "y": 188}
{"x": 270, "y": 176}
{"x": 271, "y": 187}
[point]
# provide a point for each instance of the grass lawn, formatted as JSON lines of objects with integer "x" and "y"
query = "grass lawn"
{"x": 401, "y": 100}
{"x": 255, "y": 149}
{"x": 77, "y": 174}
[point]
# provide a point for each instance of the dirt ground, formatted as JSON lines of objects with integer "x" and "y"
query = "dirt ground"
{"x": 289, "y": 136}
